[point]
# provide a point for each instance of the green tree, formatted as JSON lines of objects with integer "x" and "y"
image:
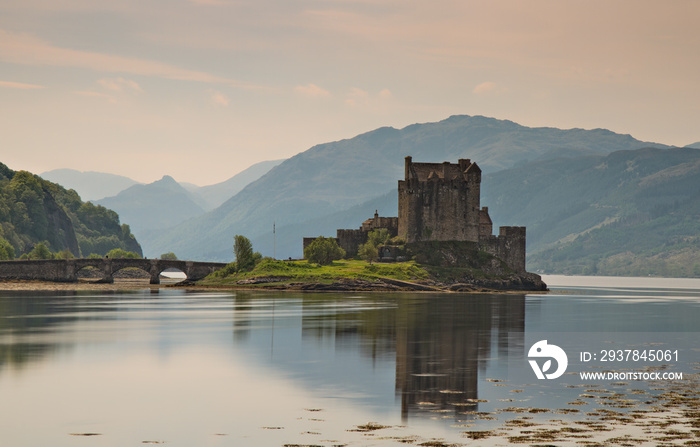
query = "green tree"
{"x": 170, "y": 255}
{"x": 118, "y": 253}
{"x": 370, "y": 249}
{"x": 243, "y": 250}
{"x": 323, "y": 251}
{"x": 7, "y": 251}
{"x": 368, "y": 252}
{"x": 64, "y": 254}
{"x": 40, "y": 251}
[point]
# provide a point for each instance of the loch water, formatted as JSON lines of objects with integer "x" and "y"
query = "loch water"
{"x": 264, "y": 368}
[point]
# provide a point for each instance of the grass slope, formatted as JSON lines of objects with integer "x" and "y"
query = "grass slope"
{"x": 306, "y": 272}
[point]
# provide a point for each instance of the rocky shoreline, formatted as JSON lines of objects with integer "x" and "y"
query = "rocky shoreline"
{"x": 515, "y": 283}
{"x": 528, "y": 282}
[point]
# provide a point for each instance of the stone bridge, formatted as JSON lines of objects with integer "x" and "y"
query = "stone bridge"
{"x": 66, "y": 270}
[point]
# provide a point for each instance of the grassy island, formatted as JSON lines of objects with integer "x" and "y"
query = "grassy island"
{"x": 350, "y": 275}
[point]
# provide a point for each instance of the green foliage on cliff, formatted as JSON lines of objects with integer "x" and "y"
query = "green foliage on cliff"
{"x": 33, "y": 210}
{"x": 7, "y": 251}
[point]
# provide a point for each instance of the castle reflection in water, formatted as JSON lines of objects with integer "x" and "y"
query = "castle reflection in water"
{"x": 441, "y": 344}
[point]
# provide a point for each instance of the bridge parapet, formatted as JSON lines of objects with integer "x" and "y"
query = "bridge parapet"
{"x": 66, "y": 270}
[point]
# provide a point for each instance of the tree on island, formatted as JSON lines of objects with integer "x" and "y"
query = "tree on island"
{"x": 323, "y": 251}
{"x": 243, "y": 250}
{"x": 169, "y": 256}
{"x": 369, "y": 251}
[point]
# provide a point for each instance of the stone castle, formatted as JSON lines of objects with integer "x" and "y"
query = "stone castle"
{"x": 441, "y": 202}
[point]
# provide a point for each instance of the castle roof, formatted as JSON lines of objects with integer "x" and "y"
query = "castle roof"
{"x": 443, "y": 171}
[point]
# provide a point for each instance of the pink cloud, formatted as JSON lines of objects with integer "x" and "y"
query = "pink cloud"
{"x": 20, "y": 85}
{"x": 488, "y": 88}
{"x": 23, "y": 48}
{"x": 219, "y": 98}
{"x": 119, "y": 84}
{"x": 312, "y": 90}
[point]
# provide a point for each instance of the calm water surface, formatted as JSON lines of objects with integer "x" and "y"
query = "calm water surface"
{"x": 244, "y": 368}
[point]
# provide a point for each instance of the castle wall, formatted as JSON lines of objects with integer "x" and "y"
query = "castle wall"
{"x": 350, "y": 240}
{"x": 485, "y": 223}
{"x": 509, "y": 246}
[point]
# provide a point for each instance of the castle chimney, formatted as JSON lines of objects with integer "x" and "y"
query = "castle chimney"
{"x": 409, "y": 160}
{"x": 445, "y": 169}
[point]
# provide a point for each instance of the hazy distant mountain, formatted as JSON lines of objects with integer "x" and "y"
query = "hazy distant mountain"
{"x": 89, "y": 185}
{"x": 627, "y": 213}
{"x": 694, "y": 145}
{"x": 213, "y": 196}
{"x": 336, "y": 176}
{"x": 155, "y": 206}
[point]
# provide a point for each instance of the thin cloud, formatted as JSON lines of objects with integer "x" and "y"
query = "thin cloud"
{"x": 357, "y": 96}
{"x": 312, "y": 90}
{"x": 91, "y": 94}
{"x": 20, "y": 85}
{"x": 488, "y": 88}
{"x": 26, "y": 49}
{"x": 119, "y": 84}
{"x": 219, "y": 98}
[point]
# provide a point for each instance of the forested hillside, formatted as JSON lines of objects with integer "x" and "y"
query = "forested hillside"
{"x": 33, "y": 210}
{"x": 632, "y": 213}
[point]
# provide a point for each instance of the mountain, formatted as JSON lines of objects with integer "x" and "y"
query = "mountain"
{"x": 333, "y": 177}
{"x": 155, "y": 206}
{"x": 694, "y": 145}
{"x": 34, "y": 210}
{"x": 213, "y": 196}
{"x": 632, "y": 213}
{"x": 90, "y": 185}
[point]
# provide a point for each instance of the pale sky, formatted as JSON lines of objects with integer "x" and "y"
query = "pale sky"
{"x": 202, "y": 89}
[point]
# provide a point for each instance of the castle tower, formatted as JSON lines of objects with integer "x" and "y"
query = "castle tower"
{"x": 440, "y": 201}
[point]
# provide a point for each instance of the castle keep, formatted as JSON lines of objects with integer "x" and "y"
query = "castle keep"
{"x": 441, "y": 202}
